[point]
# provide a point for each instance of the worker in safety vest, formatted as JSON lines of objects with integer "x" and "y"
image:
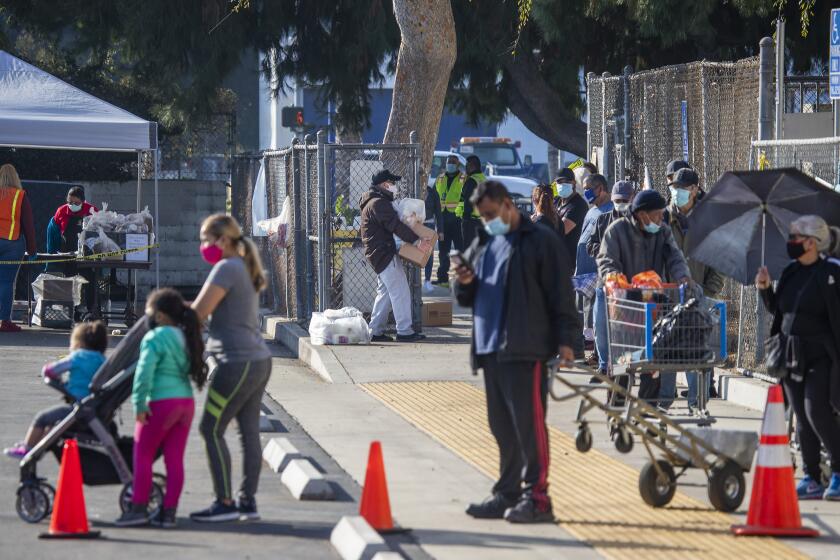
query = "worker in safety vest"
{"x": 470, "y": 218}
{"x": 448, "y": 186}
{"x": 17, "y": 231}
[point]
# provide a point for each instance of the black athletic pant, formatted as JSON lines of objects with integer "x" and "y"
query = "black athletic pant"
{"x": 236, "y": 391}
{"x": 816, "y": 423}
{"x": 469, "y": 229}
{"x": 516, "y": 399}
{"x": 451, "y": 239}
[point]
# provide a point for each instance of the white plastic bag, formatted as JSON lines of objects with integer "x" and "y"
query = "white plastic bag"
{"x": 339, "y": 326}
{"x": 101, "y": 244}
{"x": 411, "y": 210}
{"x": 58, "y": 288}
{"x": 105, "y": 219}
{"x": 259, "y": 203}
{"x": 277, "y": 228}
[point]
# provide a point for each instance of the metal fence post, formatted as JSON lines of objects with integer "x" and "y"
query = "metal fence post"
{"x": 308, "y": 229}
{"x": 589, "y": 77}
{"x": 628, "y": 120}
{"x": 300, "y": 242}
{"x": 414, "y": 280}
{"x": 604, "y": 165}
{"x": 323, "y": 228}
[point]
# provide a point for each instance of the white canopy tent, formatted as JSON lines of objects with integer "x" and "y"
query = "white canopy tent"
{"x": 38, "y": 110}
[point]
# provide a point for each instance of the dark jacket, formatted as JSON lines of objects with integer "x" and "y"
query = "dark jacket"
{"x": 828, "y": 280}
{"x": 433, "y": 209}
{"x": 469, "y": 223}
{"x": 593, "y": 246}
{"x": 705, "y": 276}
{"x": 380, "y": 222}
{"x": 539, "y": 303}
{"x": 544, "y": 220}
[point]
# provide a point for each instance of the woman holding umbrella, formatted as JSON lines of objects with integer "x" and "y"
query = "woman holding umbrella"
{"x": 806, "y": 308}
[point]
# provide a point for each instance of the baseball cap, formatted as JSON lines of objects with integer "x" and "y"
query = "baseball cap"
{"x": 622, "y": 190}
{"x": 676, "y": 165}
{"x": 382, "y": 176}
{"x": 566, "y": 174}
{"x": 648, "y": 200}
{"x": 685, "y": 177}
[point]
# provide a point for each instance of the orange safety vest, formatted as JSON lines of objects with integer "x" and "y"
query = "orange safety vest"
{"x": 11, "y": 201}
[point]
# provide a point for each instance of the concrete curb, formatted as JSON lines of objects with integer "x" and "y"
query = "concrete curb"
{"x": 278, "y": 452}
{"x": 320, "y": 359}
{"x": 354, "y": 539}
{"x": 305, "y": 482}
{"x": 387, "y": 556}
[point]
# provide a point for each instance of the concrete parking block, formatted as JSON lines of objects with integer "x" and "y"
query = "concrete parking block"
{"x": 278, "y": 452}
{"x": 388, "y": 556}
{"x": 265, "y": 423}
{"x": 354, "y": 539}
{"x": 305, "y": 482}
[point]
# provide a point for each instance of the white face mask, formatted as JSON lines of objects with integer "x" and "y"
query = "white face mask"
{"x": 622, "y": 206}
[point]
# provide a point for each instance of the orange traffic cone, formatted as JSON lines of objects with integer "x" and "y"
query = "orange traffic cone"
{"x": 774, "y": 506}
{"x": 375, "y": 506}
{"x": 69, "y": 517}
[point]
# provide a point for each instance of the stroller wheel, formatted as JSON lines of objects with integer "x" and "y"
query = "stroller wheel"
{"x": 32, "y": 503}
{"x": 50, "y": 491}
{"x": 155, "y": 498}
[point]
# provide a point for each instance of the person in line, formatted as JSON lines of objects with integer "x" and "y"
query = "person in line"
{"x": 806, "y": 308}
{"x": 685, "y": 193}
{"x": 542, "y": 199}
{"x": 230, "y": 298}
{"x": 672, "y": 168}
{"x": 17, "y": 233}
{"x": 470, "y": 220}
{"x": 622, "y": 195}
{"x": 380, "y": 223}
{"x": 171, "y": 354}
{"x": 638, "y": 243}
{"x": 88, "y": 343}
{"x": 449, "y": 186}
{"x": 517, "y": 281}
{"x": 434, "y": 220}
{"x": 596, "y": 191}
{"x": 589, "y": 166}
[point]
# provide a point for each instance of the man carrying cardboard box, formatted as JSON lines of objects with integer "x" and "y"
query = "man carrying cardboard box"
{"x": 380, "y": 223}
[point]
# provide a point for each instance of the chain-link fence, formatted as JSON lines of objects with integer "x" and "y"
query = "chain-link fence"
{"x": 202, "y": 153}
{"x": 324, "y": 266}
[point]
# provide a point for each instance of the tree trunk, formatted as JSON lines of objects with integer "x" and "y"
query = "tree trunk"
{"x": 424, "y": 64}
{"x": 529, "y": 97}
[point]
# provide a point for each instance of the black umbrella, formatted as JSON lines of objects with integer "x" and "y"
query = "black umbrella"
{"x": 745, "y": 218}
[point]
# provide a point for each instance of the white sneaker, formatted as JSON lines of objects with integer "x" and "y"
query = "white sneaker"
{"x": 427, "y": 287}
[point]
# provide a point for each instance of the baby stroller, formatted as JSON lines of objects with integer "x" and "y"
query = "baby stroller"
{"x": 105, "y": 456}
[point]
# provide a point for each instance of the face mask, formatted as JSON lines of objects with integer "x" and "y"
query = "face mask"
{"x": 74, "y": 207}
{"x": 652, "y": 227}
{"x": 211, "y": 253}
{"x": 590, "y": 196}
{"x": 622, "y": 206}
{"x": 681, "y": 197}
{"x": 795, "y": 249}
{"x": 564, "y": 190}
{"x": 497, "y": 227}
{"x": 391, "y": 188}
{"x": 451, "y": 168}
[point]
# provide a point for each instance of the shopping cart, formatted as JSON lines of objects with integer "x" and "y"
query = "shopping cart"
{"x": 669, "y": 329}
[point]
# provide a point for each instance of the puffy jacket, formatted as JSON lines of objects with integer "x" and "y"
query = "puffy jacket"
{"x": 707, "y": 277}
{"x": 380, "y": 222}
{"x": 628, "y": 250}
{"x": 540, "y": 313}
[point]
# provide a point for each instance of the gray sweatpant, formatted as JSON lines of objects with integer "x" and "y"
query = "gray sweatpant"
{"x": 236, "y": 391}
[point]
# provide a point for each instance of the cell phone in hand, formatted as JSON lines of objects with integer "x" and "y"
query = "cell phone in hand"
{"x": 458, "y": 259}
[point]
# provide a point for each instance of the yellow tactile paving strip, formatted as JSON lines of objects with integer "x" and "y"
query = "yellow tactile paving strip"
{"x": 596, "y": 497}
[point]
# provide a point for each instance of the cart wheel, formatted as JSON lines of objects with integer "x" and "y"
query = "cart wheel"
{"x": 32, "y": 503}
{"x": 655, "y": 490}
{"x": 623, "y": 440}
{"x": 155, "y": 498}
{"x": 726, "y": 485}
{"x": 583, "y": 439}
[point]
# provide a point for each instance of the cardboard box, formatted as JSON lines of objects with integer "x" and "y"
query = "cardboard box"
{"x": 412, "y": 253}
{"x": 437, "y": 312}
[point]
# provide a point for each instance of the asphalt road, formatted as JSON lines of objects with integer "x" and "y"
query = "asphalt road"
{"x": 288, "y": 529}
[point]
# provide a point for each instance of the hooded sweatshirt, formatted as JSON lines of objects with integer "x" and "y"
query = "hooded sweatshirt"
{"x": 380, "y": 222}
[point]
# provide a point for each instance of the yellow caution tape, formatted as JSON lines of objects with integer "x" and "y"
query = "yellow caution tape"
{"x": 96, "y": 256}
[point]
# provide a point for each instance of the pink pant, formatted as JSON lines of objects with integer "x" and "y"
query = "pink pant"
{"x": 167, "y": 427}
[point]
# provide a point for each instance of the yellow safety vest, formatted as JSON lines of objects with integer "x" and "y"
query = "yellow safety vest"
{"x": 459, "y": 211}
{"x": 10, "y": 205}
{"x": 449, "y": 199}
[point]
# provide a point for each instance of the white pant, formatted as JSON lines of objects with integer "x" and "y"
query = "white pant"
{"x": 392, "y": 290}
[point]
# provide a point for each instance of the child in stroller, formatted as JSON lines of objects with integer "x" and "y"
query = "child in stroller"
{"x": 87, "y": 352}
{"x": 105, "y": 456}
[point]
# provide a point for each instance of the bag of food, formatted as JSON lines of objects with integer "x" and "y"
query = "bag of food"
{"x": 411, "y": 210}
{"x": 339, "y": 326}
{"x": 616, "y": 281}
{"x": 277, "y": 228}
{"x": 101, "y": 243}
{"x": 647, "y": 279}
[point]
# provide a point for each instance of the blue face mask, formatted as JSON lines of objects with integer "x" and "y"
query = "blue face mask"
{"x": 451, "y": 168}
{"x": 681, "y": 197}
{"x": 564, "y": 190}
{"x": 652, "y": 227}
{"x": 590, "y": 196}
{"x": 497, "y": 227}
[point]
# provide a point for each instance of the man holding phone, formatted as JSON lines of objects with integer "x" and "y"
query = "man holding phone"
{"x": 517, "y": 281}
